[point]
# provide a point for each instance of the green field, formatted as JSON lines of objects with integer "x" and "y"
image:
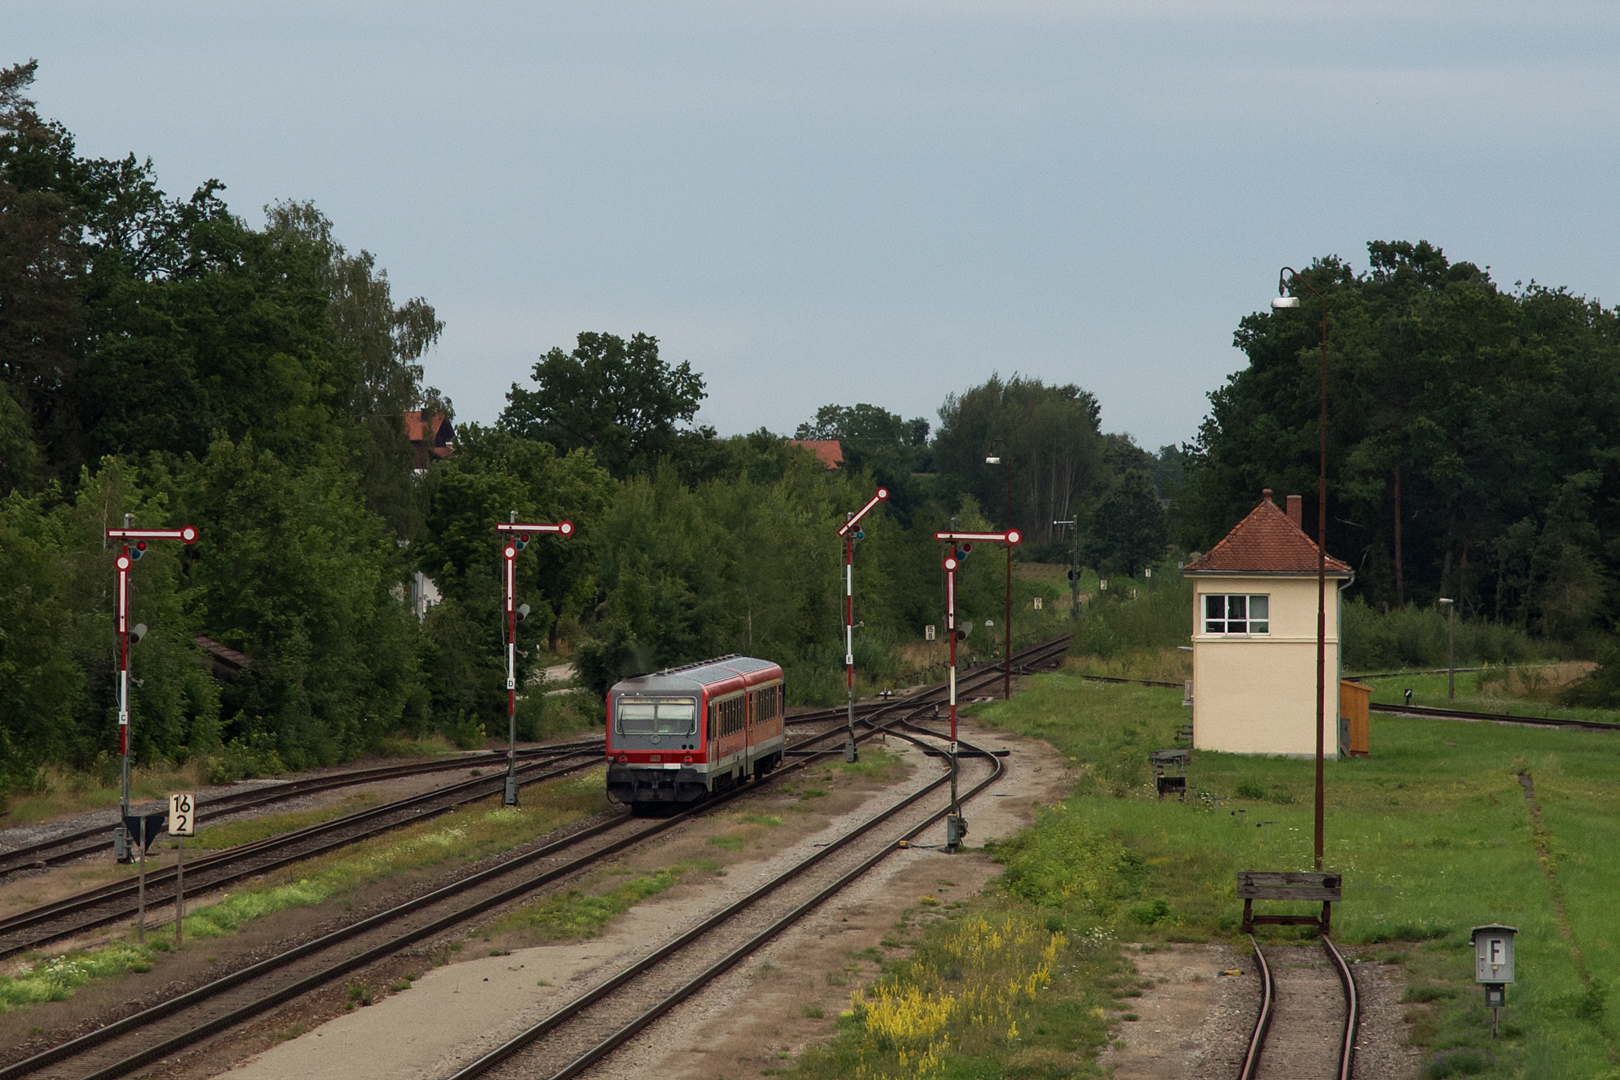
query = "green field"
{"x": 1476, "y": 691}
{"x": 1433, "y": 833}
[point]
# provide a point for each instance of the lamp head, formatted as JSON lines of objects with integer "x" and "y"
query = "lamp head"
{"x": 1447, "y": 600}
{"x": 1280, "y": 303}
{"x": 992, "y": 460}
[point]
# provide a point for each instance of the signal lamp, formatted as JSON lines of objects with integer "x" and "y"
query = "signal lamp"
{"x": 137, "y": 632}
{"x": 140, "y": 549}
{"x": 522, "y": 612}
{"x": 522, "y": 541}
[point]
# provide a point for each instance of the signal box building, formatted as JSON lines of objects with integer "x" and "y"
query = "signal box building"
{"x": 1254, "y": 638}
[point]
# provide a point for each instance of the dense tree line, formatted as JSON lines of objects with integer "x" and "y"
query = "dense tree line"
{"x": 1473, "y": 438}
{"x": 162, "y": 357}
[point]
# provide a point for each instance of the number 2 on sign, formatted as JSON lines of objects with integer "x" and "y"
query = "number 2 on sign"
{"x": 182, "y": 821}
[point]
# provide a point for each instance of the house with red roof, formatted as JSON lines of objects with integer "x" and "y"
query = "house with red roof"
{"x": 1254, "y": 638}
{"x": 433, "y": 438}
{"x": 830, "y": 452}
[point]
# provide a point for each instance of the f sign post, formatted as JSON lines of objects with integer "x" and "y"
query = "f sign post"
{"x": 134, "y": 546}
{"x": 851, "y": 533}
{"x": 516, "y": 540}
{"x": 961, "y": 544}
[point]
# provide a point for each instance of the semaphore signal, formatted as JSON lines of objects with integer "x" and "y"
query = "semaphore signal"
{"x": 516, "y": 613}
{"x": 851, "y": 532}
{"x": 955, "y": 825}
{"x": 127, "y": 636}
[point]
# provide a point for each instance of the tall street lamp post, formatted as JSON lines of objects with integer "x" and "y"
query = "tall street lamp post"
{"x": 1451, "y": 647}
{"x": 516, "y": 540}
{"x": 850, "y": 532}
{"x": 1281, "y": 302}
{"x": 1005, "y": 460}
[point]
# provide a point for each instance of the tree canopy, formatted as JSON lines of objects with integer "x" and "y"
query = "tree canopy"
{"x": 1472, "y": 444}
{"x": 613, "y": 397}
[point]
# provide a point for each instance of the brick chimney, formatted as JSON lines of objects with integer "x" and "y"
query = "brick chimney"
{"x": 1295, "y": 513}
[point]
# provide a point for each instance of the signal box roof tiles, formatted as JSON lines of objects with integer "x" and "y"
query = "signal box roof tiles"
{"x": 1265, "y": 542}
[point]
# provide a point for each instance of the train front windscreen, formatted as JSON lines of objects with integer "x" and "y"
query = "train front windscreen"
{"x": 644, "y": 716}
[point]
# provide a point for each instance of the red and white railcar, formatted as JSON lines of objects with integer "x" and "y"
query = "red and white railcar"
{"x": 678, "y": 735}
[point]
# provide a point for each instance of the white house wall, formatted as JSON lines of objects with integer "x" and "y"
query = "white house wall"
{"x": 1256, "y": 693}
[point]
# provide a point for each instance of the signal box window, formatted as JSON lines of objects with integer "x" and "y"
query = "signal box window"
{"x": 1237, "y": 613}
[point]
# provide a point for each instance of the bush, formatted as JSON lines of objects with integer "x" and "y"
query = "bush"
{"x": 1417, "y": 637}
{"x": 1158, "y": 618}
{"x": 1061, "y": 861}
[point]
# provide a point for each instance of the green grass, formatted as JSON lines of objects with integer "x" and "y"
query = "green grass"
{"x": 874, "y": 764}
{"x": 989, "y": 991}
{"x": 1476, "y": 692}
{"x": 1432, "y": 833}
{"x": 471, "y": 833}
{"x": 56, "y": 978}
{"x": 580, "y": 914}
{"x": 232, "y": 834}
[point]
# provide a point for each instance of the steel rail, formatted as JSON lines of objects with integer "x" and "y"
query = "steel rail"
{"x": 1497, "y": 718}
{"x": 1346, "y": 1057}
{"x": 16, "y": 859}
{"x": 1421, "y": 711}
{"x": 458, "y": 793}
{"x": 658, "y": 956}
{"x": 157, "y": 1012}
{"x": 1352, "y": 1012}
{"x": 1262, "y": 1023}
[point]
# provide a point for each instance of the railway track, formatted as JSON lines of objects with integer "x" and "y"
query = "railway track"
{"x": 97, "y": 838}
{"x": 1310, "y": 1014}
{"x": 1421, "y": 710}
{"x": 134, "y": 1041}
{"x": 111, "y": 903}
{"x": 1497, "y": 718}
{"x": 589, "y": 1029}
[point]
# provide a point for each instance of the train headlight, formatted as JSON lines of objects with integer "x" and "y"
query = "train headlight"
{"x": 687, "y": 759}
{"x": 624, "y": 759}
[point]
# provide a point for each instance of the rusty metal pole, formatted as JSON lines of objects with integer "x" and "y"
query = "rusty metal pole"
{"x": 1286, "y": 301}
{"x": 1005, "y": 460}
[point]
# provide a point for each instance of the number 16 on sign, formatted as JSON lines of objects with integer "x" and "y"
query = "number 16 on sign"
{"x": 182, "y": 823}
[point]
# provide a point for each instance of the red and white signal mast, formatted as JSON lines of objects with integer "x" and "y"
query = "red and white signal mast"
{"x": 134, "y": 546}
{"x": 515, "y": 613}
{"x": 961, "y": 544}
{"x": 851, "y": 533}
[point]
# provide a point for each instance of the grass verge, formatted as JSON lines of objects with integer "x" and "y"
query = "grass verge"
{"x": 1433, "y": 833}
{"x": 471, "y": 833}
{"x": 989, "y": 990}
{"x": 582, "y": 913}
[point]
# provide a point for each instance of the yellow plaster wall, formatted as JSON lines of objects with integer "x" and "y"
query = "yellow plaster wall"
{"x": 1256, "y": 694}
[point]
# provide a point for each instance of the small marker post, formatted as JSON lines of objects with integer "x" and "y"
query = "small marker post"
{"x": 182, "y": 823}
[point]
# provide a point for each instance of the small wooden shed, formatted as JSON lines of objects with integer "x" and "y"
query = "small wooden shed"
{"x": 1354, "y": 718}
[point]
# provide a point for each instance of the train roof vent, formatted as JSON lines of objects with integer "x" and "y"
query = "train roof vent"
{"x": 700, "y": 664}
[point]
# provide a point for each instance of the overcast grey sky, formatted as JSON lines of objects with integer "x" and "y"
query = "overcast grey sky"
{"x": 873, "y": 201}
